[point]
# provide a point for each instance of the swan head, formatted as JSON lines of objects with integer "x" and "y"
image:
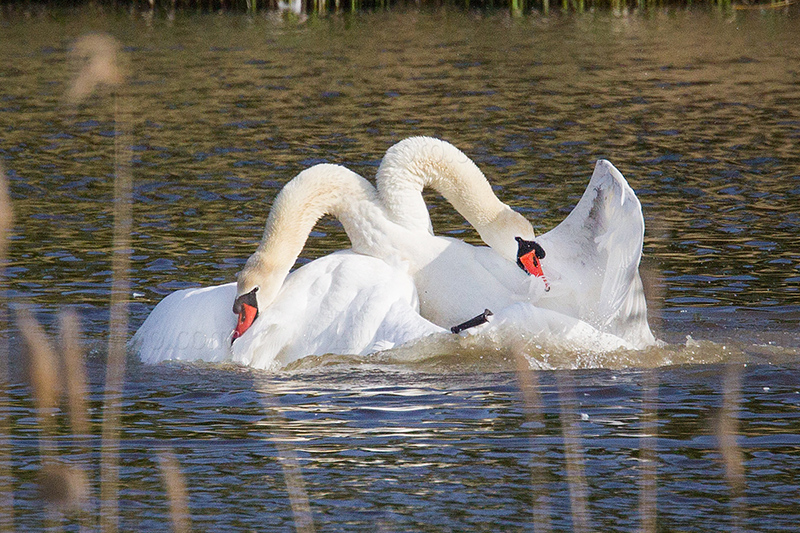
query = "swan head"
{"x": 257, "y": 286}
{"x": 503, "y": 232}
{"x": 529, "y": 259}
{"x": 246, "y": 308}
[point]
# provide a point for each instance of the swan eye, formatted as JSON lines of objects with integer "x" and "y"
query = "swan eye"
{"x": 249, "y": 299}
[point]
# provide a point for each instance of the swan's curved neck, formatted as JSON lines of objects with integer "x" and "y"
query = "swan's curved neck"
{"x": 315, "y": 192}
{"x": 418, "y": 162}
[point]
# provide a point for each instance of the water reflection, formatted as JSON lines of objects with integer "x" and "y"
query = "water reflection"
{"x": 697, "y": 110}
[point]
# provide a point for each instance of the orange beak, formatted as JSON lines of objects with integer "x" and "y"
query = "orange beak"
{"x": 247, "y": 315}
{"x": 531, "y": 264}
{"x": 246, "y": 308}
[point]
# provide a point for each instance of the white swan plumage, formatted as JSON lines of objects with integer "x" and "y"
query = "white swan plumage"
{"x": 359, "y": 317}
{"x": 592, "y": 257}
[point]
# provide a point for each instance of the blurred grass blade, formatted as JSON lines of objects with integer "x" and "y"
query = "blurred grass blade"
{"x": 648, "y": 488}
{"x": 6, "y": 487}
{"x": 74, "y": 375}
{"x": 578, "y": 492}
{"x": 176, "y": 492}
{"x": 732, "y": 455}
{"x": 534, "y": 415}
{"x": 292, "y": 473}
{"x": 98, "y": 63}
{"x": 43, "y": 372}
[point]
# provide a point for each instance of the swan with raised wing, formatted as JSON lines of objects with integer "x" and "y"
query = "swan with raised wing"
{"x": 350, "y": 302}
{"x": 590, "y": 268}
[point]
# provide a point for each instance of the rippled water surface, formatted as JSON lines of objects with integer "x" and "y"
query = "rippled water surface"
{"x": 698, "y": 110}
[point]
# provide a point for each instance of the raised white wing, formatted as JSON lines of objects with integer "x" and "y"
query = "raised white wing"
{"x": 592, "y": 259}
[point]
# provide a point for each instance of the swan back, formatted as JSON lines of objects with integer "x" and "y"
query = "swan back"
{"x": 418, "y": 162}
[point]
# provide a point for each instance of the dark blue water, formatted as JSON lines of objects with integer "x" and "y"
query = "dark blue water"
{"x": 699, "y": 112}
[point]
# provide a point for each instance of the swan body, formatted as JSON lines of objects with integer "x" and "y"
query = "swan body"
{"x": 188, "y": 325}
{"x": 548, "y": 328}
{"x": 343, "y": 303}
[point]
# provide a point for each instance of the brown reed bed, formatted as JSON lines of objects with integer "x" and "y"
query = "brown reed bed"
{"x": 63, "y": 486}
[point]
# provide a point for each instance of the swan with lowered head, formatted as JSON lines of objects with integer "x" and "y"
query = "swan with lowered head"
{"x": 341, "y": 303}
{"x": 591, "y": 259}
{"x": 456, "y": 280}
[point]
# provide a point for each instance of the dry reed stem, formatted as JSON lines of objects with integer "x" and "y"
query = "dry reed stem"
{"x": 74, "y": 375}
{"x": 578, "y": 491}
{"x": 43, "y": 371}
{"x": 176, "y": 492}
{"x": 75, "y": 386}
{"x": 6, "y": 216}
{"x": 648, "y": 488}
{"x": 118, "y": 326}
{"x": 534, "y": 414}
{"x": 290, "y": 466}
{"x": 732, "y": 455}
{"x": 96, "y": 57}
{"x": 6, "y": 488}
{"x": 99, "y": 65}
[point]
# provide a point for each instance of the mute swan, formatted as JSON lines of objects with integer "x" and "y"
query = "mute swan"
{"x": 455, "y": 280}
{"x": 341, "y": 303}
{"x": 591, "y": 259}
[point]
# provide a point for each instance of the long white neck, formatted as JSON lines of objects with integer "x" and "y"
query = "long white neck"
{"x": 418, "y": 162}
{"x": 320, "y": 190}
